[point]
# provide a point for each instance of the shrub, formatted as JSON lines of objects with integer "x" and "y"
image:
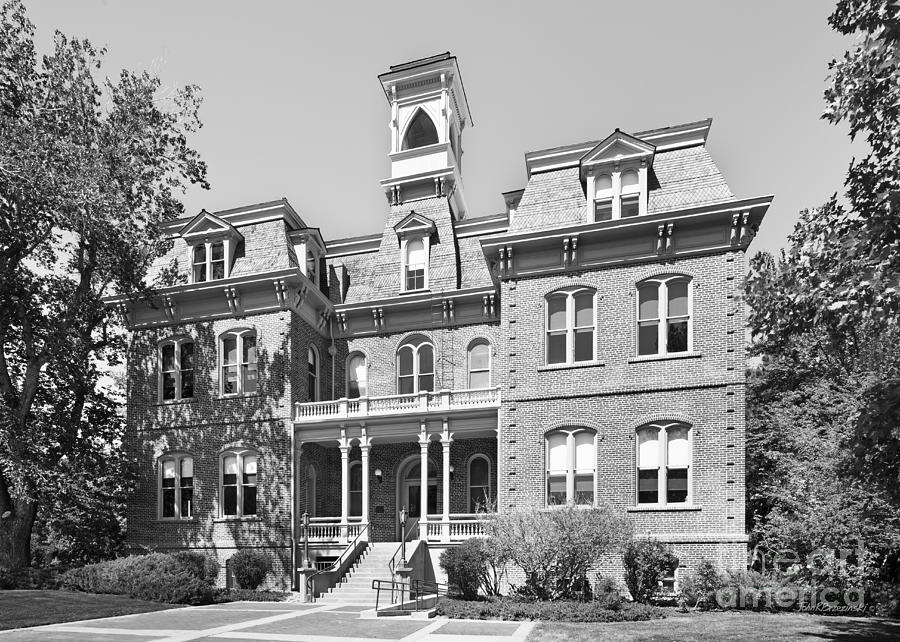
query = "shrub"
{"x": 30, "y": 579}
{"x": 699, "y": 589}
{"x": 557, "y": 548}
{"x": 250, "y": 568}
{"x": 465, "y": 566}
{"x": 509, "y": 608}
{"x": 246, "y": 595}
{"x": 174, "y": 579}
{"x": 646, "y": 563}
{"x": 203, "y": 566}
{"x": 606, "y": 592}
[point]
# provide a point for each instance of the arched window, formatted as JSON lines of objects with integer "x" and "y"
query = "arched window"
{"x": 312, "y": 370}
{"x": 176, "y": 487}
{"x": 357, "y": 376}
{"x": 571, "y": 458}
{"x": 176, "y": 369}
{"x": 415, "y": 367}
{"x": 570, "y": 326}
{"x": 415, "y": 264}
{"x": 356, "y": 489}
{"x": 664, "y": 464}
{"x": 479, "y": 364}
{"x": 479, "y": 478}
{"x": 238, "y": 359}
{"x": 603, "y": 199}
{"x": 629, "y": 199}
{"x": 421, "y": 131}
{"x": 664, "y": 314}
{"x": 311, "y": 476}
{"x": 238, "y": 483}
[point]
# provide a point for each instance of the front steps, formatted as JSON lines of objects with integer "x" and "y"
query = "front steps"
{"x": 356, "y": 586}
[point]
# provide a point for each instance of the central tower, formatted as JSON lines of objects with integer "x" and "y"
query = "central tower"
{"x": 429, "y": 112}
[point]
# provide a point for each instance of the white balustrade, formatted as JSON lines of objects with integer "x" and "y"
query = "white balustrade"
{"x": 439, "y": 401}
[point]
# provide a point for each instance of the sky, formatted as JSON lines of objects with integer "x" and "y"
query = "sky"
{"x": 293, "y": 108}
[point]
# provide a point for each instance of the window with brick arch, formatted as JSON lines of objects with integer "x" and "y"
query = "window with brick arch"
{"x": 665, "y": 315}
{"x": 238, "y": 493}
{"x": 479, "y": 479}
{"x": 571, "y": 326}
{"x": 176, "y": 369}
{"x": 176, "y": 486}
{"x": 571, "y": 458}
{"x": 356, "y": 489}
{"x": 357, "y": 376}
{"x": 415, "y": 366}
{"x": 664, "y": 463}
{"x": 479, "y": 364}
{"x": 239, "y": 362}
{"x": 312, "y": 373}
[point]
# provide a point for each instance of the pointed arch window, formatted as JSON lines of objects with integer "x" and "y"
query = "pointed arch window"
{"x": 415, "y": 367}
{"x": 357, "y": 376}
{"x": 420, "y": 132}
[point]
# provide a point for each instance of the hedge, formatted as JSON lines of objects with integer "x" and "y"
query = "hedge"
{"x": 505, "y": 608}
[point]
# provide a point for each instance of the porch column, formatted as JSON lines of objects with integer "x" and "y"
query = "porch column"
{"x": 423, "y": 480}
{"x": 446, "y": 440}
{"x": 345, "y": 484}
{"x": 364, "y": 444}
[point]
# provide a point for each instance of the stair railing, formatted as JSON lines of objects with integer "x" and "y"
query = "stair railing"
{"x": 412, "y": 530}
{"x": 339, "y": 566}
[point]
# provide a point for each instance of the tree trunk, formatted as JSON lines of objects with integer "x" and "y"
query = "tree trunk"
{"x": 15, "y": 536}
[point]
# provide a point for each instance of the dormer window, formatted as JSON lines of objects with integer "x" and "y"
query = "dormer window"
{"x": 213, "y": 242}
{"x": 421, "y": 131}
{"x": 629, "y": 198}
{"x": 209, "y": 261}
{"x": 312, "y": 267}
{"x": 415, "y": 233}
{"x": 616, "y": 175}
{"x": 415, "y": 264}
{"x": 603, "y": 200}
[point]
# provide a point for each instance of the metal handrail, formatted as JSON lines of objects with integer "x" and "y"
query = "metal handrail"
{"x": 392, "y": 564}
{"x": 310, "y": 581}
{"x": 418, "y": 589}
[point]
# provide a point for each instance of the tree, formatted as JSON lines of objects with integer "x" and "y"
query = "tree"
{"x": 89, "y": 170}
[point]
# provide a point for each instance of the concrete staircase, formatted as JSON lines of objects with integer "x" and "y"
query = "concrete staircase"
{"x": 356, "y": 586}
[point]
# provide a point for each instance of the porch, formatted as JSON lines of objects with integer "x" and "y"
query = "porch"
{"x": 361, "y": 461}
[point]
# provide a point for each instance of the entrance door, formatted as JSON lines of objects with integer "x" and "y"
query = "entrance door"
{"x": 410, "y": 493}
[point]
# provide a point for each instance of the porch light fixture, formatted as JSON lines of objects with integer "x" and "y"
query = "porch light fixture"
{"x": 452, "y": 469}
{"x": 378, "y": 475}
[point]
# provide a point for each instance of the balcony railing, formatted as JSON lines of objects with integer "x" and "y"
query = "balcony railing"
{"x": 458, "y": 527}
{"x": 440, "y": 401}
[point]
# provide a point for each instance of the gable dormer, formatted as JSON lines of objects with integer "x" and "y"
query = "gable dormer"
{"x": 213, "y": 242}
{"x": 414, "y": 233}
{"x": 616, "y": 174}
{"x": 310, "y": 251}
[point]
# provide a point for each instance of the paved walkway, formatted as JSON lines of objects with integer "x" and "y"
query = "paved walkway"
{"x": 282, "y": 622}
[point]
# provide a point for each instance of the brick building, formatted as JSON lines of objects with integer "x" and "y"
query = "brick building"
{"x": 584, "y": 346}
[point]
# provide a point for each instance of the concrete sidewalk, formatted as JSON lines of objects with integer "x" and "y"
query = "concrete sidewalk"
{"x": 278, "y": 621}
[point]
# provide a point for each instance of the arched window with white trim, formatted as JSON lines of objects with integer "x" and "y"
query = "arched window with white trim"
{"x": 356, "y": 489}
{"x": 665, "y": 315}
{"x": 415, "y": 366}
{"x": 312, "y": 373}
{"x": 176, "y": 486}
{"x": 571, "y": 326}
{"x": 239, "y": 470}
{"x": 176, "y": 369}
{"x": 357, "y": 376}
{"x": 237, "y": 354}
{"x": 479, "y": 480}
{"x": 571, "y": 465}
{"x": 416, "y": 260}
{"x": 420, "y": 132}
{"x": 664, "y": 463}
{"x": 479, "y": 364}
{"x": 629, "y": 198}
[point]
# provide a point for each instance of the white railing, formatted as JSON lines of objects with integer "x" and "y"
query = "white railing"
{"x": 440, "y": 401}
{"x": 332, "y": 529}
{"x": 459, "y": 526}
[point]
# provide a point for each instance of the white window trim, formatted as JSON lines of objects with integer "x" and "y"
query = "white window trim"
{"x": 570, "y": 326}
{"x": 662, "y": 314}
{"x": 469, "y": 478}
{"x": 240, "y": 334}
{"x": 239, "y": 506}
{"x": 663, "y": 464}
{"x": 426, "y": 244}
{"x": 177, "y": 458}
{"x": 354, "y": 464}
{"x": 314, "y": 395}
{"x": 617, "y": 191}
{"x": 415, "y": 347}
{"x": 177, "y": 342}
{"x": 350, "y": 357}
{"x": 228, "y": 247}
{"x": 472, "y": 345}
{"x": 570, "y": 471}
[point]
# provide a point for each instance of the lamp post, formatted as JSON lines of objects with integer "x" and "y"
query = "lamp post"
{"x": 403, "y": 537}
{"x": 306, "y": 561}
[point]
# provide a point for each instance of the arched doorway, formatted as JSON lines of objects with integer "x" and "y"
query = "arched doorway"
{"x": 409, "y": 488}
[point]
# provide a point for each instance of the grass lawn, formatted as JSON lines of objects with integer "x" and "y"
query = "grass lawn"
{"x": 735, "y": 625}
{"x": 32, "y": 608}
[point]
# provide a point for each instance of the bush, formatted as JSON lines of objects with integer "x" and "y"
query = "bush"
{"x": 250, "y": 568}
{"x": 557, "y": 548}
{"x": 246, "y": 595}
{"x": 606, "y": 592}
{"x": 699, "y": 589}
{"x": 203, "y": 566}
{"x": 508, "y": 608}
{"x": 30, "y": 579}
{"x": 465, "y": 566}
{"x": 646, "y": 563}
{"x": 173, "y": 579}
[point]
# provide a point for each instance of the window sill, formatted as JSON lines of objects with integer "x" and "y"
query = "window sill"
{"x": 573, "y": 506}
{"x": 664, "y": 357}
{"x": 237, "y": 518}
{"x": 570, "y": 366}
{"x": 175, "y": 402}
{"x": 238, "y": 396}
{"x": 177, "y": 520}
{"x": 656, "y": 508}
{"x": 412, "y": 292}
